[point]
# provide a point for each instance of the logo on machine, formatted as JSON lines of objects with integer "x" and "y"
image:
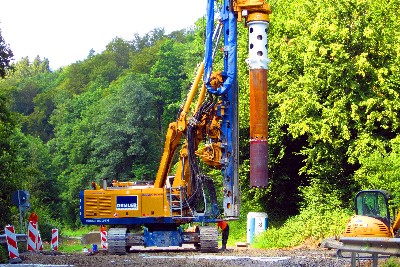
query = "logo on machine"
{"x": 127, "y": 202}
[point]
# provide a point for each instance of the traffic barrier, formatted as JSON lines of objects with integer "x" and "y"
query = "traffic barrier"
{"x": 103, "y": 236}
{"x": 39, "y": 244}
{"x": 54, "y": 239}
{"x": 32, "y": 236}
{"x": 372, "y": 245}
{"x": 11, "y": 243}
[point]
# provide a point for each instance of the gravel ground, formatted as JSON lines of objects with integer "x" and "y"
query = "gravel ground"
{"x": 247, "y": 257}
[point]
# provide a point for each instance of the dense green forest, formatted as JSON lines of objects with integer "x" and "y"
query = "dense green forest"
{"x": 334, "y": 115}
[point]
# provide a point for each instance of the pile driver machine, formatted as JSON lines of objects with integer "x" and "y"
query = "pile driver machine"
{"x": 205, "y": 130}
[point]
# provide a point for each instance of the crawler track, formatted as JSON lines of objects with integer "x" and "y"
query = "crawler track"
{"x": 116, "y": 238}
{"x": 208, "y": 239}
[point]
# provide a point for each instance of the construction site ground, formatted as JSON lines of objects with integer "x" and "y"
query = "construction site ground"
{"x": 187, "y": 257}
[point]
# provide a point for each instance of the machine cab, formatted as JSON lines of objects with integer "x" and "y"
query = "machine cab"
{"x": 374, "y": 204}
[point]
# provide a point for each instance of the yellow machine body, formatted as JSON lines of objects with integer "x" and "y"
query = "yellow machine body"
{"x": 127, "y": 201}
{"x": 364, "y": 226}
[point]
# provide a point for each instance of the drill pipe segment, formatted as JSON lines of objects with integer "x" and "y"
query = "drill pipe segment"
{"x": 258, "y": 62}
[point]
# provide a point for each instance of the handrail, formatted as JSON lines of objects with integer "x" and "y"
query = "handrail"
{"x": 372, "y": 245}
{"x": 20, "y": 238}
{"x": 378, "y": 245}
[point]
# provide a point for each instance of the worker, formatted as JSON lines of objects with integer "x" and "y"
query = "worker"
{"x": 225, "y": 232}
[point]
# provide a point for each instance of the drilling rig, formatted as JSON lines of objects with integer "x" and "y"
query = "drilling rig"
{"x": 205, "y": 130}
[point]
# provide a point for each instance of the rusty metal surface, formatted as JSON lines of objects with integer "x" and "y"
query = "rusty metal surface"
{"x": 258, "y": 104}
{"x": 258, "y": 128}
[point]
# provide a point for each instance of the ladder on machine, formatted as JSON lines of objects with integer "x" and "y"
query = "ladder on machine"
{"x": 175, "y": 201}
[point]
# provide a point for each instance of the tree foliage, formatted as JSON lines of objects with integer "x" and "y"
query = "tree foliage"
{"x": 8, "y": 161}
{"x": 6, "y": 55}
{"x": 126, "y": 128}
{"x": 381, "y": 170}
{"x": 335, "y": 83}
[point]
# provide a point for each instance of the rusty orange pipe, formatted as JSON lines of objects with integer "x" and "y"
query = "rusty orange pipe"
{"x": 258, "y": 62}
{"x": 258, "y": 128}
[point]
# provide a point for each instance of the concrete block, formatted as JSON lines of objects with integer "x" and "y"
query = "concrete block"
{"x": 91, "y": 238}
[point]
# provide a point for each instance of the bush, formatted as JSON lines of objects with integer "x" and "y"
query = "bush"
{"x": 392, "y": 262}
{"x": 307, "y": 226}
{"x": 46, "y": 224}
{"x": 3, "y": 254}
{"x": 237, "y": 231}
{"x": 321, "y": 215}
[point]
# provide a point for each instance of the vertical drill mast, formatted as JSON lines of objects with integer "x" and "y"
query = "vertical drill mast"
{"x": 256, "y": 15}
{"x": 228, "y": 91}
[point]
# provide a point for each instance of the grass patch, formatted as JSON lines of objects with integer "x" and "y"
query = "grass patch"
{"x": 69, "y": 238}
{"x": 70, "y": 245}
{"x": 78, "y": 232}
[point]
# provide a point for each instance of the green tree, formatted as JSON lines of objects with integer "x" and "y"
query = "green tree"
{"x": 168, "y": 73}
{"x": 125, "y": 123}
{"x": 8, "y": 160}
{"x": 71, "y": 146}
{"x": 29, "y": 87}
{"x": 381, "y": 170}
{"x": 6, "y": 55}
{"x": 120, "y": 50}
{"x": 334, "y": 82}
{"x": 37, "y": 175}
{"x": 148, "y": 40}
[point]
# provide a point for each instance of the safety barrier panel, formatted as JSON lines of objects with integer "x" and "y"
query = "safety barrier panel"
{"x": 11, "y": 242}
{"x": 33, "y": 239}
{"x": 54, "y": 239}
{"x": 39, "y": 244}
{"x": 32, "y": 236}
{"x": 103, "y": 234}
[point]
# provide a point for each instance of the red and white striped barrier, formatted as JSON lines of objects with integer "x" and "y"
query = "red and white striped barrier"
{"x": 54, "y": 239}
{"x": 32, "y": 236}
{"x": 11, "y": 242}
{"x": 103, "y": 234}
{"x": 39, "y": 244}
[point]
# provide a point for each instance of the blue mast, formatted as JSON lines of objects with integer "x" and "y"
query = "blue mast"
{"x": 228, "y": 110}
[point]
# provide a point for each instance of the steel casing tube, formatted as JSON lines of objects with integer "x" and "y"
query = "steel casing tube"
{"x": 258, "y": 128}
{"x": 258, "y": 166}
{"x": 258, "y": 62}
